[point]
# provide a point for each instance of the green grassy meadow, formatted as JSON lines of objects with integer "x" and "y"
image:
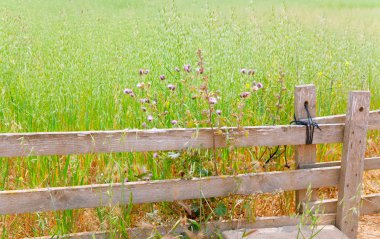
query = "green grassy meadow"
{"x": 64, "y": 66}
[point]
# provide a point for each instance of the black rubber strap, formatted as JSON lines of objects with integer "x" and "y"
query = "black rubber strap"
{"x": 309, "y": 123}
{"x": 310, "y": 126}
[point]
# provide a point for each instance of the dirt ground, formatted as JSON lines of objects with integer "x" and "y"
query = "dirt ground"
{"x": 369, "y": 227}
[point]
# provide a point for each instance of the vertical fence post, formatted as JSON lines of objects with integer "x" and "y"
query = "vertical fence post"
{"x": 351, "y": 173}
{"x": 304, "y": 154}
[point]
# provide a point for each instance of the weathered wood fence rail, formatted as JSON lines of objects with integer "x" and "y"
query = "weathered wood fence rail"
{"x": 335, "y": 129}
{"x": 84, "y": 142}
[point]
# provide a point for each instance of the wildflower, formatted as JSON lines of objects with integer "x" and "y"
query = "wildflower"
{"x": 144, "y": 100}
{"x": 171, "y": 87}
{"x": 200, "y": 70}
{"x": 146, "y": 72}
{"x": 218, "y": 112}
{"x": 141, "y": 71}
{"x": 187, "y": 68}
{"x": 243, "y": 71}
{"x": 259, "y": 85}
{"x": 149, "y": 118}
{"x": 176, "y": 69}
{"x": 251, "y": 72}
{"x": 128, "y": 91}
{"x": 155, "y": 155}
{"x": 212, "y": 100}
{"x": 140, "y": 85}
{"x": 162, "y": 77}
{"x": 255, "y": 88}
{"x": 245, "y": 94}
{"x": 143, "y": 109}
{"x": 174, "y": 122}
{"x": 143, "y": 125}
{"x": 203, "y": 87}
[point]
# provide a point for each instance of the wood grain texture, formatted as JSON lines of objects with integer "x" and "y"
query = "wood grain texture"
{"x": 210, "y": 227}
{"x": 369, "y": 164}
{"x": 59, "y": 198}
{"x": 287, "y": 232}
{"x": 370, "y": 205}
{"x": 63, "y": 143}
{"x": 351, "y": 173}
{"x": 373, "y": 122}
{"x": 305, "y": 154}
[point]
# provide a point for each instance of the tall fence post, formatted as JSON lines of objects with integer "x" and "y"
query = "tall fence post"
{"x": 305, "y": 154}
{"x": 351, "y": 173}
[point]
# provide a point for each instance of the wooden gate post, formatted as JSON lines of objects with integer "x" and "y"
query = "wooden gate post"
{"x": 304, "y": 154}
{"x": 351, "y": 173}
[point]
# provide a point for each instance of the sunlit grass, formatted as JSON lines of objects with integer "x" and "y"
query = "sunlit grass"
{"x": 64, "y": 66}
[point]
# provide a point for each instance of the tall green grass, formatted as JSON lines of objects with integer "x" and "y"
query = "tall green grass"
{"x": 64, "y": 66}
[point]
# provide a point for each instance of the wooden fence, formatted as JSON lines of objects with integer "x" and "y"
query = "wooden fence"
{"x": 349, "y": 129}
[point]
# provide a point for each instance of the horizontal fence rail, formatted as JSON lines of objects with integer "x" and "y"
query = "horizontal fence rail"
{"x": 369, "y": 164}
{"x": 84, "y": 142}
{"x": 39, "y": 144}
{"x": 209, "y": 227}
{"x": 373, "y": 123}
{"x": 89, "y": 196}
{"x": 59, "y": 198}
{"x": 370, "y": 205}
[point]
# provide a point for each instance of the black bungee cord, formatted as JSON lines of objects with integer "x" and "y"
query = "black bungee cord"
{"x": 310, "y": 127}
{"x": 309, "y": 123}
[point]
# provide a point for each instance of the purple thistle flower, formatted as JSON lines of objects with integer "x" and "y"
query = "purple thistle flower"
{"x": 141, "y": 71}
{"x": 143, "y": 109}
{"x": 132, "y": 94}
{"x": 255, "y": 88}
{"x": 245, "y": 94}
{"x": 149, "y": 118}
{"x": 128, "y": 91}
{"x": 144, "y": 100}
{"x": 212, "y": 100}
{"x": 243, "y": 71}
{"x": 162, "y": 77}
{"x": 187, "y": 68}
{"x": 176, "y": 69}
{"x": 171, "y": 87}
{"x": 218, "y": 112}
{"x": 155, "y": 155}
{"x": 146, "y": 72}
{"x": 251, "y": 72}
{"x": 140, "y": 85}
{"x": 174, "y": 122}
{"x": 259, "y": 85}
